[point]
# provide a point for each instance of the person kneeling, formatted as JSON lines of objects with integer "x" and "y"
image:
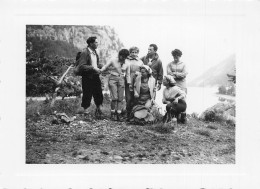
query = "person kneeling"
{"x": 174, "y": 97}
{"x": 144, "y": 92}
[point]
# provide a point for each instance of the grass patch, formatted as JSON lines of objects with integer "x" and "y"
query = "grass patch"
{"x": 212, "y": 127}
{"x": 81, "y": 136}
{"x": 34, "y": 109}
{"x": 203, "y": 132}
{"x": 91, "y": 141}
{"x": 161, "y": 128}
{"x": 122, "y": 140}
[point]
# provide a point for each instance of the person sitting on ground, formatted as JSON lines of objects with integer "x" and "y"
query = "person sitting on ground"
{"x": 144, "y": 87}
{"x": 118, "y": 70}
{"x": 144, "y": 93}
{"x": 174, "y": 97}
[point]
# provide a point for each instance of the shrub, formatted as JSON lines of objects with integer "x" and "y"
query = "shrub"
{"x": 34, "y": 109}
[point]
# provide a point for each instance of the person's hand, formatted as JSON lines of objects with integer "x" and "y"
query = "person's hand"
{"x": 176, "y": 101}
{"x": 137, "y": 73}
{"x": 100, "y": 65}
{"x": 158, "y": 87}
{"x": 97, "y": 70}
{"x": 131, "y": 88}
{"x": 136, "y": 95}
{"x": 174, "y": 74}
{"x": 168, "y": 102}
{"x": 149, "y": 64}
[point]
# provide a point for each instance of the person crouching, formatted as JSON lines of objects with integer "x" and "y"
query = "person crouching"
{"x": 174, "y": 97}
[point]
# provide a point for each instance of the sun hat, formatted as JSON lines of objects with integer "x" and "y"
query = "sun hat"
{"x": 170, "y": 79}
{"x": 148, "y": 69}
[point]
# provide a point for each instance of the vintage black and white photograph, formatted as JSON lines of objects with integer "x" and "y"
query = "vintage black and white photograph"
{"x": 147, "y": 92}
{"x": 141, "y": 94}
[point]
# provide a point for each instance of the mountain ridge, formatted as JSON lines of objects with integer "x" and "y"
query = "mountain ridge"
{"x": 216, "y": 75}
{"x": 67, "y": 40}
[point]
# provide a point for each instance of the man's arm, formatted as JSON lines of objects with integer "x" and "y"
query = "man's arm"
{"x": 142, "y": 59}
{"x": 160, "y": 73}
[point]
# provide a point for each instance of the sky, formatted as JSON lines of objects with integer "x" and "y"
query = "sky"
{"x": 204, "y": 39}
{"x": 202, "y": 44}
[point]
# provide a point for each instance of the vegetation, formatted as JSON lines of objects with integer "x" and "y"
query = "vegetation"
{"x": 79, "y": 139}
{"x": 229, "y": 89}
{"x": 52, "y": 47}
{"x": 87, "y": 140}
{"x": 42, "y": 74}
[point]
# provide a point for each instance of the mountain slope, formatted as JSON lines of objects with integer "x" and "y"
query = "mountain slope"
{"x": 216, "y": 75}
{"x": 67, "y": 40}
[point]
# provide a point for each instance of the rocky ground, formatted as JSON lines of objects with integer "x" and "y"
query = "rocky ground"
{"x": 90, "y": 141}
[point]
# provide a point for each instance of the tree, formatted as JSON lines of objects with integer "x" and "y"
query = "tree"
{"x": 232, "y": 77}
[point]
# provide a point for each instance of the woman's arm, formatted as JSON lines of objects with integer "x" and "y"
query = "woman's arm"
{"x": 181, "y": 95}
{"x": 106, "y": 66}
{"x": 169, "y": 70}
{"x": 164, "y": 101}
{"x": 136, "y": 95}
{"x": 128, "y": 78}
{"x": 182, "y": 74}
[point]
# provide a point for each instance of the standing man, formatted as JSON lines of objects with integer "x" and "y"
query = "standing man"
{"x": 153, "y": 61}
{"x": 91, "y": 83}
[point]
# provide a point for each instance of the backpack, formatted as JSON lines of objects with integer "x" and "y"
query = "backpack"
{"x": 76, "y": 70}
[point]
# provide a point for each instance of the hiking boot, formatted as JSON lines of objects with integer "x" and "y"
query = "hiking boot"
{"x": 183, "y": 118}
{"x": 98, "y": 113}
{"x": 86, "y": 113}
{"x": 113, "y": 116}
{"x": 120, "y": 117}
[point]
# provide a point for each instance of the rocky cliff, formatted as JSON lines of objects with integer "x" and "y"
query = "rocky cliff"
{"x": 66, "y": 40}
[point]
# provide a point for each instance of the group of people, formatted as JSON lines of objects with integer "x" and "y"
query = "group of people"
{"x": 137, "y": 78}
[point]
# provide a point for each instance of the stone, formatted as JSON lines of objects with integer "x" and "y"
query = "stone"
{"x": 220, "y": 111}
{"x": 81, "y": 156}
{"x": 174, "y": 157}
{"x": 116, "y": 157}
{"x": 104, "y": 152}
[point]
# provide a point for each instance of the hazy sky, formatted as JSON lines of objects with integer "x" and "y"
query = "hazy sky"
{"x": 204, "y": 39}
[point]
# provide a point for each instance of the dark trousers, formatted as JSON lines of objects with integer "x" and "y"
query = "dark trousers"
{"x": 176, "y": 109}
{"x": 129, "y": 98}
{"x": 91, "y": 87}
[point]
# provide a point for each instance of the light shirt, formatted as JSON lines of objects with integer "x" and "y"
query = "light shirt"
{"x": 179, "y": 73}
{"x": 150, "y": 62}
{"x": 172, "y": 92}
{"x": 93, "y": 57}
